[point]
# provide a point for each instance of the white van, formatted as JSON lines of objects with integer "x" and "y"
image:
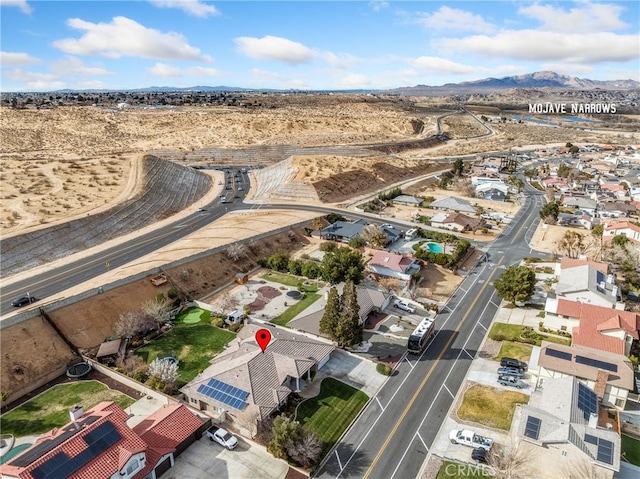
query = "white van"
{"x": 411, "y": 234}
{"x": 234, "y": 317}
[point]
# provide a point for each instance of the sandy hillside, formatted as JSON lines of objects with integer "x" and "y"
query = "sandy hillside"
{"x": 462, "y": 126}
{"x": 41, "y": 191}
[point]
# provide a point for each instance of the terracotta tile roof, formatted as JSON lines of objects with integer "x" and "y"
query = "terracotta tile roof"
{"x": 168, "y": 427}
{"x": 105, "y": 464}
{"x": 566, "y": 263}
{"x": 601, "y": 383}
{"x": 619, "y": 225}
{"x": 388, "y": 260}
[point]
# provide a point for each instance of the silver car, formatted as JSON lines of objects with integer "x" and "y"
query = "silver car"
{"x": 511, "y": 381}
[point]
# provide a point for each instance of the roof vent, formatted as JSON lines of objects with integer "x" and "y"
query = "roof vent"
{"x": 76, "y": 412}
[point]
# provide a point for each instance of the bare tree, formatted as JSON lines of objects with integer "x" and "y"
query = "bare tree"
{"x": 158, "y": 309}
{"x": 248, "y": 420}
{"x": 582, "y": 469}
{"x": 573, "y": 244}
{"x": 317, "y": 224}
{"x": 465, "y": 188}
{"x": 390, "y": 285}
{"x": 375, "y": 237}
{"x": 306, "y": 449}
{"x": 164, "y": 370}
{"x": 226, "y": 303}
{"x": 235, "y": 251}
{"x": 510, "y": 461}
{"x": 132, "y": 323}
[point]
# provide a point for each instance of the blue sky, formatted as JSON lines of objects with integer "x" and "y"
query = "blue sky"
{"x": 48, "y": 45}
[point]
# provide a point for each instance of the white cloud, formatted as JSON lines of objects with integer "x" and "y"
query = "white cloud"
{"x": 447, "y": 18}
{"x": 275, "y": 48}
{"x": 73, "y": 66}
{"x": 21, "y": 4}
{"x": 34, "y": 80}
{"x": 442, "y": 65}
{"x": 376, "y": 6}
{"x": 340, "y": 60}
{"x": 280, "y": 81}
{"x": 191, "y": 7}
{"x": 588, "y": 17}
{"x": 12, "y": 59}
{"x": 126, "y": 37}
{"x": 533, "y": 45}
{"x": 91, "y": 85}
{"x": 164, "y": 70}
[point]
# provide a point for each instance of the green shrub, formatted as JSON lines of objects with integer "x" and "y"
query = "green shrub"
{"x": 548, "y": 269}
{"x": 383, "y": 369}
{"x": 172, "y": 293}
{"x": 217, "y": 321}
{"x": 540, "y": 324}
{"x": 140, "y": 376}
{"x": 328, "y": 246}
{"x": 235, "y": 327}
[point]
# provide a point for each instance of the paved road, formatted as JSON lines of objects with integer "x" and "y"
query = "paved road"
{"x": 393, "y": 435}
{"x": 61, "y": 278}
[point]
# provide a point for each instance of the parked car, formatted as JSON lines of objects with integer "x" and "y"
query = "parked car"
{"x": 480, "y": 454}
{"x": 511, "y": 381}
{"x": 515, "y": 372}
{"x": 404, "y": 305}
{"x": 513, "y": 363}
{"x": 222, "y": 437}
{"x": 23, "y": 300}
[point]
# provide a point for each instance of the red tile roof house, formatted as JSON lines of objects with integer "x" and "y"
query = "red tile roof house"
{"x": 392, "y": 265}
{"x": 99, "y": 444}
{"x": 601, "y": 328}
{"x": 625, "y": 228}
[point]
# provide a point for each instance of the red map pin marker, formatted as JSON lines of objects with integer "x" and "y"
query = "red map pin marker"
{"x": 263, "y": 336}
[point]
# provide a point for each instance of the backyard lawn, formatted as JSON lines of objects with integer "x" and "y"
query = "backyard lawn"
{"x": 193, "y": 316}
{"x": 631, "y": 449}
{"x": 513, "y": 332}
{"x": 50, "y": 409}
{"x": 292, "y": 311}
{"x": 193, "y": 344}
{"x": 490, "y": 407}
{"x": 510, "y": 349}
{"x": 291, "y": 280}
{"x": 332, "y": 411}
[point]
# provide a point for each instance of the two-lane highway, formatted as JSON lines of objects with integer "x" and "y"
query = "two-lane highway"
{"x": 394, "y": 433}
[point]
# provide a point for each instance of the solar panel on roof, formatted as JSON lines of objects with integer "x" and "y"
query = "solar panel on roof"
{"x": 532, "y": 428}
{"x": 597, "y": 364}
{"x": 590, "y": 439}
{"x": 587, "y": 401}
{"x": 605, "y": 451}
{"x": 227, "y": 388}
{"x": 558, "y": 354}
{"x": 223, "y": 397}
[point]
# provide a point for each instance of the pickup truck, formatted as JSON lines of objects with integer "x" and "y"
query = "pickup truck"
{"x": 469, "y": 438}
{"x": 222, "y": 437}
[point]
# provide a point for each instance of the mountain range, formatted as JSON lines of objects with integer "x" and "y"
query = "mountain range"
{"x": 544, "y": 79}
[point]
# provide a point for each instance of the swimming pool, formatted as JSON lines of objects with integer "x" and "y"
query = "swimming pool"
{"x": 14, "y": 452}
{"x": 434, "y": 247}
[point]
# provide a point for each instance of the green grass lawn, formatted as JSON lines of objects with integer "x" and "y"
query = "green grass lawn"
{"x": 292, "y": 311}
{"x": 513, "y": 332}
{"x": 631, "y": 449}
{"x": 455, "y": 470}
{"x": 290, "y": 280}
{"x": 490, "y": 407}
{"x": 510, "y": 349}
{"x": 50, "y": 409}
{"x": 193, "y": 344}
{"x": 193, "y": 316}
{"x": 332, "y": 411}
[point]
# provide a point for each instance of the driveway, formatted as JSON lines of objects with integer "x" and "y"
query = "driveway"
{"x": 485, "y": 371}
{"x": 205, "y": 459}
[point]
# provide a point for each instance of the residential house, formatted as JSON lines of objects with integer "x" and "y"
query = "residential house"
{"x": 610, "y": 375}
{"x": 580, "y": 203}
{"x": 407, "y": 200}
{"x": 486, "y": 178}
{"x": 99, "y": 443}
{"x": 343, "y": 230}
{"x": 578, "y": 220}
{"x": 556, "y": 183}
{"x": 599, "y": 327}
{"x": 392, "y": 265}
{"x": 492, "y": 191}
{"x": 393, "y": 233}
{"x": 370, "y": 301}
{"x": 619, "y": 191}
{"x": 249, "y": 385}
{"x": 624, "y": 228}
{"x": 566, "y": 263}
{"x": 562, "y": 418}
{"x": 585, "y": 284}
{"x": 456, "y": 222}
{"x": 454, "y": 204}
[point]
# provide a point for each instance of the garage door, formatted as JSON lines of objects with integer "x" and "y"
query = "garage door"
{"x": 163, "y": 467}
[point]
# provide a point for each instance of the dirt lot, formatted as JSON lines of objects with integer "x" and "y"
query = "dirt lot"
{"x": 437, "y": 283}
{"x": 546, "y": 238}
